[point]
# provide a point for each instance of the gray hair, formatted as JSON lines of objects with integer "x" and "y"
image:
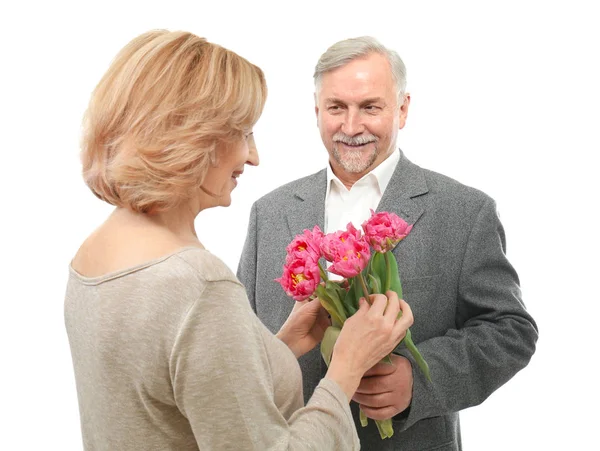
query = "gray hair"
{"x": 342, "y": 52}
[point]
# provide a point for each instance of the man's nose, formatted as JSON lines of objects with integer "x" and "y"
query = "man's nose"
{"x": 353, "y": 124}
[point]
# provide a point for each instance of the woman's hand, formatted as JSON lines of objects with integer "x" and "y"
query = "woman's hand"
{"x": 305, "y": 327}
{"x": 368, "y": 336}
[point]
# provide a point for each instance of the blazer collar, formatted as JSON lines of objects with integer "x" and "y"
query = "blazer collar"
{"x": 407, "y": 182}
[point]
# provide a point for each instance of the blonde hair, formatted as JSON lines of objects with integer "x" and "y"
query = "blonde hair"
{"x": 157, "y": 117}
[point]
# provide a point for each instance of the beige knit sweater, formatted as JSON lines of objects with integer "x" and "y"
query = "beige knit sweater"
{"x": 168, "y": 355}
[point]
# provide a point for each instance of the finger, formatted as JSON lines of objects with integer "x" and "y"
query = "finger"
{"x": 310, "y": 308}
{"x": 377, "y": 400}
{"x": 381, "y": 369}
{"x": 378, "y": 304}
{"x": 381, "y": 413}
{"x": 324, "y": 323}
{"x": 298, "y": 305}
{"x": 406, "y": 312}
{"x": 363, "y": 305}
{"x": 406, "y": 320}
{"x": 393, "y": 306}
{"x": 373, "y": 386}
{"x": 322, "y": 312}
{"x": 314, "y": 306}
{"x": 323, "y": 318}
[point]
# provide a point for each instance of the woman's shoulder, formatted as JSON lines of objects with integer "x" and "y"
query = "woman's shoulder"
{"x": 205, "y": 265}
{"x": 221, "y": 294}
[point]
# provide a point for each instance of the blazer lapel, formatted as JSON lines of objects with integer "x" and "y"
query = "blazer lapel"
{"x": 406, "y": 183}
{"x": 308, "y": 207}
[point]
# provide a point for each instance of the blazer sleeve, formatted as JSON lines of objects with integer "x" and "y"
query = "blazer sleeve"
{"x": 494, "y": 338}
{"x": 246, "y": 271}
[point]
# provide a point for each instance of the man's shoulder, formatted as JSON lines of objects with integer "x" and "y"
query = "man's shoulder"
{"x": 444, "y": 187}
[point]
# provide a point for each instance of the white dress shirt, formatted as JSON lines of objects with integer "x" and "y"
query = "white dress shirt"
{"x": 343, "y": 205}
{"x": 353, "y": 205}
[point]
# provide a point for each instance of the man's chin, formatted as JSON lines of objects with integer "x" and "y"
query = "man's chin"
{"x": 355, "y": 169}
{"x": 355, "y": 164}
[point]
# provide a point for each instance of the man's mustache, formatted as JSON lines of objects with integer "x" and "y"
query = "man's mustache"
{"x": 354, "y": 140}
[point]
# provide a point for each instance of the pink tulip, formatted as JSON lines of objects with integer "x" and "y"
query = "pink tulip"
{"x": 308, "y": 242}
{"x": 300, "y": 278}
{"x": 348, "y": 251}
{"x": 385, "y": 230}
{"x": 331, "y": 242}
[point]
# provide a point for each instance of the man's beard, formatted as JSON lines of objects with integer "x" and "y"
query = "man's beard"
{"x": 353, "y": 160}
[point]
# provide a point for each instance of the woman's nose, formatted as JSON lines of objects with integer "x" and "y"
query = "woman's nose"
{"x": 253, "y": 159}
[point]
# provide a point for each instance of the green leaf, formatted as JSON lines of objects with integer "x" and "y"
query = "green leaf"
{"x": 345, "y": 300}
{"x": 394, "y": 276}
{"x": 337, "y": 318}
{"x": 328, "y": 342}
{"x": 334, "y": 291}
{"x": 378, "y": 268}
{"x": 351, "y": 297}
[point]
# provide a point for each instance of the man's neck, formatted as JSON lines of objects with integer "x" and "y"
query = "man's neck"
{"x": 350, "y": 178}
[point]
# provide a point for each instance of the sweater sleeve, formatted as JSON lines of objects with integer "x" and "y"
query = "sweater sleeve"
{"x": 223, "y": 383}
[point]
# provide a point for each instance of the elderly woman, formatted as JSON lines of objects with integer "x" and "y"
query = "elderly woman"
{"x": 168, "y": 354}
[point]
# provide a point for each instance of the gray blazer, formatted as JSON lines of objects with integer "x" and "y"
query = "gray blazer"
{"x": 470, "y": 322}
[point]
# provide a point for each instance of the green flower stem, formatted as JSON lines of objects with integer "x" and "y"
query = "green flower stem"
{"x": 323, "y": 272}
{"x": 363, "y": 419}
{"x": 386, "y": 430}
{"x": 416, "y": 355}
{"x": 364, "y": 287}
{"x": 374, "y": 284}
{"x": 385, "y": 427}
{"x": 388, "y": 276}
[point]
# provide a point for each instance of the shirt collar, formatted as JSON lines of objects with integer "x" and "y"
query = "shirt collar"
{"x": 382, "y": 174}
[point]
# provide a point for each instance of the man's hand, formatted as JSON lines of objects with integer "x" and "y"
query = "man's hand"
{"x": 386, "y": 390}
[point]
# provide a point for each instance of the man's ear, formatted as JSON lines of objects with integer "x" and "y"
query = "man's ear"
{"x": 403, "y": 111}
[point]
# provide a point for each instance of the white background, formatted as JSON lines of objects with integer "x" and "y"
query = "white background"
{"x": 505, "y": 97}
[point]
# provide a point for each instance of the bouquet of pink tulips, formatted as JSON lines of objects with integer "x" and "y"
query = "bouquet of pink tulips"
{"x": 366, "y": 272}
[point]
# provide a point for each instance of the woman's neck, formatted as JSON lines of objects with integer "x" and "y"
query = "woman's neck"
{"x": 178, "y": 223}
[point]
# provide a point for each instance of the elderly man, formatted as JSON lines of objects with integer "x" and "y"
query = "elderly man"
{"x": 470, "y": 323}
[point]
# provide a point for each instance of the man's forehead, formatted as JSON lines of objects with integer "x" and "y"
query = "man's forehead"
{"x": 356, "y": 91}
{"x": 362, "y": 77}
{"x": 356, "y": 97}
